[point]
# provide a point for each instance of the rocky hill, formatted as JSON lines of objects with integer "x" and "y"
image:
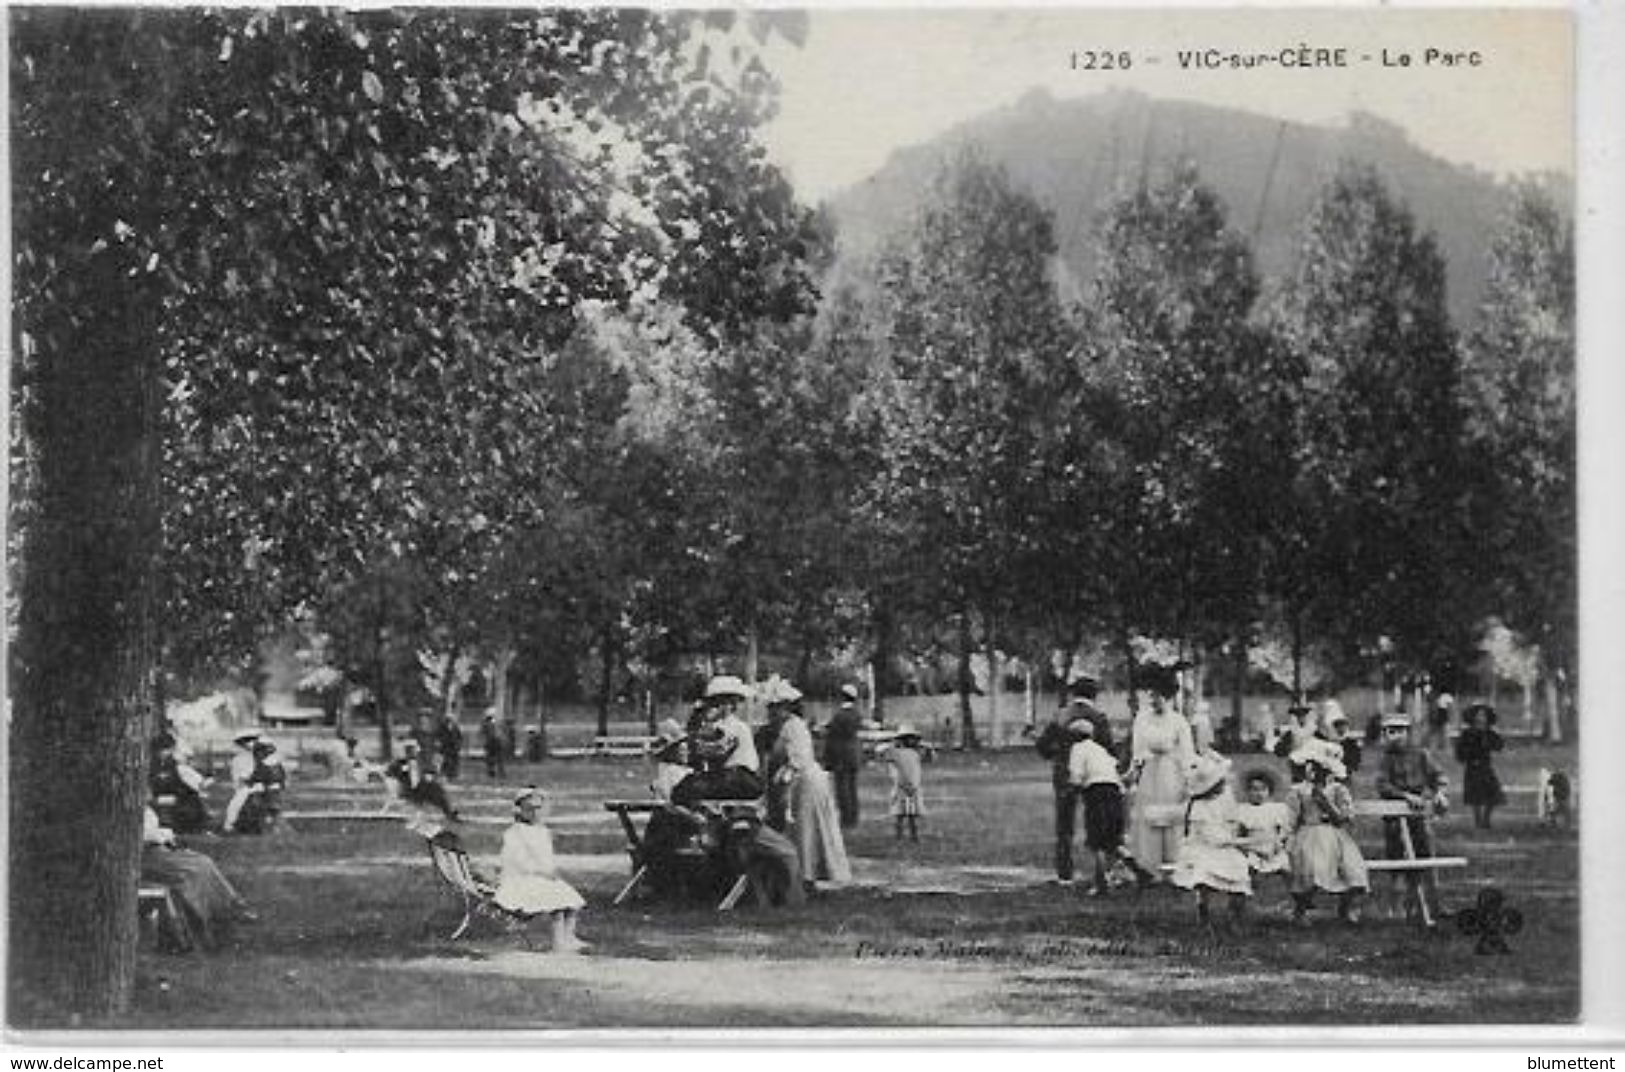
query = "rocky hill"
{"x": 1073, "y": 155}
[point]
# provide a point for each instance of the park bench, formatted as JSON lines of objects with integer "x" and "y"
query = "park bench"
{"x": 1365, "y": 809}
{"x": 638, "y": 745}
{"x": 478, "y": 896}
{"x": 691, "y": 854}
{"x": 1410, "y": 863}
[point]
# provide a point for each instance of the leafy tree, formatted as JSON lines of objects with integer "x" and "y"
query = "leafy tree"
{"x": 1183, "y": 385}
{"x": 1377, "y": 501}
{"x": 975, "y": 352}
{"x": 1519, "y": 395}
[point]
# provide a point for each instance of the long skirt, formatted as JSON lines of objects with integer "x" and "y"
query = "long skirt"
{"x": 1481, "y": 785}
{"x": 1214, "y": 866}
{"x": 1326, "y": 858}
{"x": 1155, "y": 841}
{"x": 203, "y": 894}
{"x": 816, "y": 828}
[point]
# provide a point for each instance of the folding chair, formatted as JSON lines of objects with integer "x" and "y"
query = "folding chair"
{"x": 478, "y": 896}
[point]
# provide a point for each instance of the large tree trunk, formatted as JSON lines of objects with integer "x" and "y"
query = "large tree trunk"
{"x": 86, "y": 658}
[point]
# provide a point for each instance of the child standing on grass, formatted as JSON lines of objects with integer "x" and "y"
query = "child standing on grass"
{"x": 530, "y": 882}
{"x": 1211, "y": 861}
{"x": 1093, "y": 773}
{"x": 1264, "y": 827}
{"x": 906, "y": 775}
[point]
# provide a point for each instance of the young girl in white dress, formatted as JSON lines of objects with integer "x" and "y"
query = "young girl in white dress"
{"x": 1210, "y": 858}
{"x": 906, "y": 775}
{"x": 1324, "y": 855}
{"x": 1264, "y": 826}
{"x": 530, "y": 881}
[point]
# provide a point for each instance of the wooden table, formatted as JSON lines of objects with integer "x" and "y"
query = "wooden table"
{"x": 725, "y": 810}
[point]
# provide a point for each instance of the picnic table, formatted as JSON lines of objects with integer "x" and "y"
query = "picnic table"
{"x": 724, "y": 810}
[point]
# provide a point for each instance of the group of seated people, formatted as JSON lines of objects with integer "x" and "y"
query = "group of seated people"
{"x": 177, "y": 789}
{"x": 206, "y": 905}
{"x": 718, "y": 760}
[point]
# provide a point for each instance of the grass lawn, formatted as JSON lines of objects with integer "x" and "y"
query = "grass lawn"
{"x": 961, "y": 929}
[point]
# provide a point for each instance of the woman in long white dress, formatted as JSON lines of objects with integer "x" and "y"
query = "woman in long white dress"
{"x": 1161, "y": 758}
{"x": 815, "y": 826}
{"x": 530, "y": 880}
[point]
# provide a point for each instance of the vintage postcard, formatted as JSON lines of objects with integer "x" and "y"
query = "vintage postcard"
{"x": 595, "y": 520}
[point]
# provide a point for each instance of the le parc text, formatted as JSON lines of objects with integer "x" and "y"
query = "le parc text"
{"x": 1433, "y": 57}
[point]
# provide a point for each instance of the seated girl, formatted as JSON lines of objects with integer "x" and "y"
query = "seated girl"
{"x": 1264, "y": 827}
{"x": 530, "y": 882}
{"x": 1210, "y": 860}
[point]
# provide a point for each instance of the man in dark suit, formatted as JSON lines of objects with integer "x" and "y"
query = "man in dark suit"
{"x": 843, "y": 754}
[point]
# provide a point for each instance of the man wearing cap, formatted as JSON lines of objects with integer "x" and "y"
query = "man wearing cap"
{"x": 843, "y": 754}
{"x": 1407, "y": 773}
{"x": 1085, "y": 693}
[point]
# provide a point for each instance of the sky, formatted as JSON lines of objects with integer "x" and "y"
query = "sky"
{"x": 869, "y": 81}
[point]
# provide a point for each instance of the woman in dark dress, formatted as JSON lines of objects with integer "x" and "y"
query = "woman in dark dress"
{"x": 1476, "y": 748}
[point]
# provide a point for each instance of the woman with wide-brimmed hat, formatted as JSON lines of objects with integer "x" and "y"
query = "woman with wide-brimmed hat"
{"x": 1162, "y": 753}
{"x": 814, "y": 824}
{"x": 1324, "y": 855}
{"x": 725, "y": 748}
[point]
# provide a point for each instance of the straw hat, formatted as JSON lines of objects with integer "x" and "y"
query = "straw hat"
{"x": 529, "y": 794}
{"x": 725, "y": 687}
{"x": 246, "y": 738}
{"x": 906, "y": 731}
{"x": 1323, "y": 754}
{"x": 775, "y": 691}
{"x": 1081, "y": 727}
{"x": 1398, "y": 719}
{"x": 849, "y": 692}
{"x": 1210, "y": 769}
